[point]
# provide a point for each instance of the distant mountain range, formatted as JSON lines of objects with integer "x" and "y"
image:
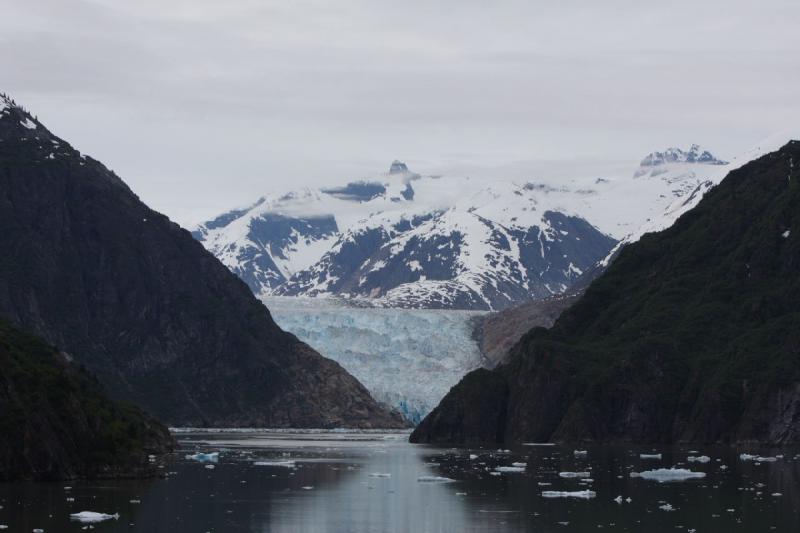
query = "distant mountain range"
{"x": 407, "y": 240}
{"x": 690, "y": 335}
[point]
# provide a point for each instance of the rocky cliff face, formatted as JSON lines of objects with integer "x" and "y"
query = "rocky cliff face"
{"x": 57, "y": 423}
{"x": 128, "y": 293}
{"x": 498, "y": 332}
{"x": 691, "y": 335}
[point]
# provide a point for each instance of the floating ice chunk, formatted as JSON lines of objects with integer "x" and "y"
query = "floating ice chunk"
{"x": 666, "y": 507}
{"x": 378, "y": 474}
{"x": 777, "y": 494}
{"x": 509, "y": 469}
{"x": 523, "y": 465}
{"x": 649, "y": 456}
{"x": 307, "y": 487}
{"x": 538, "y": 443}
{"x": 212, "y": 457}
{"x": 669, "y": 474}
{"x": 284, "y": 464}
{"x": 698, "y": 459}
{"x": 786, "y": 234}
{"x": 90, "y": 517}
{"x": 435, "y": 479}
{"x": 210, "y": 467}
{"x": 580, "y": 453}
{"x": 574, "y": 474}
{"x": 618, "y": 499}
{"x": 757, "y": 458}
{"x": 472, "y": 457}
{"x": 582, "y": 494}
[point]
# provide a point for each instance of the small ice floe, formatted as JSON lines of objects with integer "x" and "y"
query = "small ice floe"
{"x": 509, "y": 469}
{"x": 90, "y": 517}
{"x": 435, "y": 479}
{"x": 212, "y": 457}
{"x": 618, "y": 499}
{"x": 135, "y": 501}
{"x": 580, "y": 453}
{"x": 698, "y": 459}
{"x": 582, "y": 494}
{"x": 777, "y": 494}
{"x": 307, "y": 487}
{"x": 569, "y": 475}
{"x": 666, "y": 507}
{"x": 523, "y": 465}
{"x": 786, "y": 234}
{"x": 472, "y": 457}
{"x": 210, "y": 467}
{"x": 757, "y": 458}
{"x": 284, "y": 464}
{"x": 649, "y": 456}
{"x": 379, "y": 474}
{"x": 538, "y": 443}
{"x": 544, "y": 484}
{"x": 663, "y": 475}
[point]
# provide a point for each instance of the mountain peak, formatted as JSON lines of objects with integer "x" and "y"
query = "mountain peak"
{"x": 695, "y": 154}
{"x": 398, "y": 167}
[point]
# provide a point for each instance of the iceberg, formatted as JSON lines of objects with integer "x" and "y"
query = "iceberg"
{"x": 509, "y": 469}
{"x": 663, "y": 475}
{"x": 212, "y": 457}
{"x": 582, "y": 494}
{"x": 91, "y": 517}
{"x": 284, "y": 464}
{"x": 569, "y": 475}
{"x": 700, "y": 459}
{"x": 435, "y": 479}
{"x": 757, "y": 458}
{"x": 649, "y": 456}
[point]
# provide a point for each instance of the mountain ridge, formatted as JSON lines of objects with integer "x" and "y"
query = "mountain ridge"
{"x": 88, "y": 267}
{"x": 689, "y": 336}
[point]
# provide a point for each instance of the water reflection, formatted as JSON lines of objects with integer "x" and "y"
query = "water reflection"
{"x": 367, "y": 483}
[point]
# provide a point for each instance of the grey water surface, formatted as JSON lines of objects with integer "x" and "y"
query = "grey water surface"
{"x": 377, "y": 482}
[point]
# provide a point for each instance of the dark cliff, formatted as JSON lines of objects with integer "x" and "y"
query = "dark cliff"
{"x": 57, "y": 423}
{"x": 132, "y": 296}
{"x": 691, "y": 335}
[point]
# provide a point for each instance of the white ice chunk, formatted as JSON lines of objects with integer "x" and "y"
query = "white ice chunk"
{"x": 435, "y": 479}
{"x": 649, "y": 456}
{"x": 669, "y": 474}
{"x": 698, "y": 459}
{"x": 510, "y": 469}
{"x": 91, "y": 517}
{"x": 212, "y": 457}
{"x": 284, "y": 464}
{"x": 574, "y": 474}
{"x": 582, "y": 494}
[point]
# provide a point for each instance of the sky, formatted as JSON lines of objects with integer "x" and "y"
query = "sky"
{"x": 202, "y": 105}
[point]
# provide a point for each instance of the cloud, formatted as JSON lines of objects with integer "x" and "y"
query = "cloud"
{"x": 201, "y": 104}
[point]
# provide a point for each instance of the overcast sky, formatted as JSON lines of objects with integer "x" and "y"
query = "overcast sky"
{"x": 201, "y": 105}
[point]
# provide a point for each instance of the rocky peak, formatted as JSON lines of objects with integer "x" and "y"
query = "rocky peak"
{"x": 398, "y": 167}
{"x": 695, "y": 154}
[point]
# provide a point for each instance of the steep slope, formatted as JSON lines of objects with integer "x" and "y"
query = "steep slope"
{"x": 91, "y": 269}
{"x": 691, "y": 335}
{"x": 57, "y": 423}
{"x": 498, "y": 332}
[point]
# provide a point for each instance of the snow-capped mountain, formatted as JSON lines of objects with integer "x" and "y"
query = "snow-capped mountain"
{"x": 409, "y": 240}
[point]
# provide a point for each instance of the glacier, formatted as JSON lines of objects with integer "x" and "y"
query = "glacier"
{"x": 407, "y": 358}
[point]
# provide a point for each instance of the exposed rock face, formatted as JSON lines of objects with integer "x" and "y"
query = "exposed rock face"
{"x": 691, "y": 335}
{"x": 57, "y": 423}
{"x": 128, "y": 293}
{"x": 498, "y": 332}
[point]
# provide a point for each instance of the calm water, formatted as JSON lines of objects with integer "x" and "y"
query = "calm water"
{"x": 334, "y": 486}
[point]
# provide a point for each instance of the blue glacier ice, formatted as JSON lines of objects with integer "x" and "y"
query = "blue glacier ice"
{"x": 407, "y": 358}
